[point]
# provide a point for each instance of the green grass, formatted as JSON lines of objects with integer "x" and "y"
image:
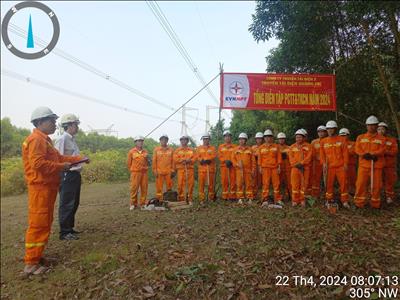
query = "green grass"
{"x": 217, "y": 251}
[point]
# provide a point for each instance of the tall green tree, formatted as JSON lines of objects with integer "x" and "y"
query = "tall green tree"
{"x": 358, "y": 41}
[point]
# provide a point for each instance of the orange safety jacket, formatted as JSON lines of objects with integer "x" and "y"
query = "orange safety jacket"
{"x": 206, "y": 153}
{"x": 138, "y": 160}
{"x": 391, "y": 152}
{"x": 181, "y": 154}
{"x": 225, "y": 153}
{"x": 300, "y": 154}
{"x": 42, "y": 162}
{"x": 352, "y": 153}
{"x": 371, "y": 143}
{"x": 162, "y": 160}
{"x": 334, "y": 151}
{"x": 243, "y": 156}
{"x": 269, "y": 156}
{"x": 285, "y": 165}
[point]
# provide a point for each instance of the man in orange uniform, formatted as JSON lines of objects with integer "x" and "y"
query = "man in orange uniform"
{"x": 257, "y": 180}
{"x": 316, "y": 165}
{"x": 138, "y": 164}
{"x": 43, "y": 165}
{"x": 269, "y": 161}
{"x": 370, "y": 148}
{"x": 184, "y": 160}
{"x": 228, "y": 178}
{"x": 352, "y": 167}
{"x": 162, "y": 166}
{"x": 206, "y": 155}
{"x": 243, "y": 162}
{"x": 390, "y": 169}
{"x": 284, "y": 167}
{"x": 335, "y": 157}
{"x": 300, "y": 155}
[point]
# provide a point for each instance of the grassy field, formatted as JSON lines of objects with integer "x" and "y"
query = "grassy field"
{"x": 220, "y": 251}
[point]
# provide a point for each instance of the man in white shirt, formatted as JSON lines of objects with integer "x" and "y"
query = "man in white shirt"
{"x": 70, "y": 187}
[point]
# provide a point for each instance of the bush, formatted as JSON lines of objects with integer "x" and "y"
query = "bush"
{"x": 12, "y": 177}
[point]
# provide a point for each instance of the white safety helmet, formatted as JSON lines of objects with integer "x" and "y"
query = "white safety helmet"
{"x": 42, "y": 112}
{"x": 383, "y": 124}
{"x": 371, "y": 120}
{"x": 331, "y": 124}
{"x": 164, "y": 135}
{"x": 205, "y": 136}
{"x": 184, "y": 137}
{"x": 227, "y": 132}
{"x": 69, "y": 118}
{"x": 301, "y": 132}
{"x": 304, "y": 131}
{"x": 321, "y": 128}
{"x": 259, "y": 135}
{"x": 139, "y": 138}
{"x": 344, "y": 131}
{"x": 243, "y": 136}
{"x": 268, "y": 132}
{"x": 281, "y": 135}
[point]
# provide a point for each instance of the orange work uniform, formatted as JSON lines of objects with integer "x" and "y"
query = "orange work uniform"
{"x": 42, "y": 166}
{"x": 376, "y": 145}
{"x": 206, "y": 171}
{"x": 162, "y": 168}
{"x": 243, "y": 162}
{"x": 334, "y": 153}
{"x": 185, "y": 171}
{"x": 228, "y": 176}
{"x": 390, "y": 169}
{"x": 284, "y": 175}
{"x": 138, "y": 164}
{"x": 257, "y": 180}
{"x": 352, "y": 167}
{"x": 300, "y": 154}
{"x": 316, "y": 169}
{"x": 269, "y": 159}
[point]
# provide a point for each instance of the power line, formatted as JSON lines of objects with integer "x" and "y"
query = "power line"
{"x": 163, "y": 20}
{"x": 21, "y": 77}
{"x": 22, "y": 33}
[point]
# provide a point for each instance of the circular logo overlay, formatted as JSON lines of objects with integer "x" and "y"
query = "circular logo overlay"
{"x": 48, "y": 12}
{"x": 236, "y": 88}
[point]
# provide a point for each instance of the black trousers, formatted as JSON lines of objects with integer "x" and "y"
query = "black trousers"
{"x": 70, "y": 192}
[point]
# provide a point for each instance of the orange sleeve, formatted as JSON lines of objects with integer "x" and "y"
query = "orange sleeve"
{"x": 154, "y": 163}
{"x": 234, "y": 159}
{"x": 307, "y": 158}
{"x": 279, "y": 156}
{"x": 322, "y": 157}
{"x": 382, "y": 149}
{"x": 37, "y": 155}
{"x": 174, "y": 159}
{"x": 129, "y": 160}
{"x": 292, "y": 159}
{"x": 345, "y": 150}
{"x": 194, "y": 157}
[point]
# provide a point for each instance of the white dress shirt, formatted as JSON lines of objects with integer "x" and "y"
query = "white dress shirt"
{"x": 66, "y": 145}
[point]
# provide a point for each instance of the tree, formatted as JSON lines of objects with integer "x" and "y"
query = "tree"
{"x": 341, "y": 37}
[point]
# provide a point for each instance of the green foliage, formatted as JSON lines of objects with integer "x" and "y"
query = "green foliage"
{"x": 11, "y": 138}
{"x": 12, "y": 177}
{"x": 328, "y": 37}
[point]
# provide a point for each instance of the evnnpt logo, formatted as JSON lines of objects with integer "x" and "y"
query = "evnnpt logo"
{"x": 25, "y": 14}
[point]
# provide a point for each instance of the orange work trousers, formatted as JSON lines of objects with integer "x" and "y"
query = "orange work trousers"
{"x": 203, "y": 181}
{"x": 316, "y": 180}
{"x": 182, "y": 184}
{"x": 139, "y": 180}
{"x": 228, "y": 177}
{"x": 389, "y": 180}
{"x": 351, "y": 178}
{"x": 299, "y": 181}
{"x": 257, "y": 184}
{"x": 40, "y": 218}
{"x": 244, "y": 184}
{"x": 363, "y": 180}
{"x": 268, "y": 175}
{"x": 340, "y": 174}
{"x": 160, "y": 181}
{"x": 284, "y": 178}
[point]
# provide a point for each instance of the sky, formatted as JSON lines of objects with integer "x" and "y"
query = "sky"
{"x": 125, "y": 40}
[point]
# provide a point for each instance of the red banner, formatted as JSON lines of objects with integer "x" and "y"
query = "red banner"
{"x": 257, "y": 91}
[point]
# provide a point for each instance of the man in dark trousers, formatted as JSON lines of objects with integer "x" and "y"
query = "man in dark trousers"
{"x": 70, "y": 187}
